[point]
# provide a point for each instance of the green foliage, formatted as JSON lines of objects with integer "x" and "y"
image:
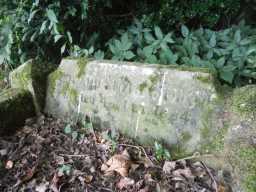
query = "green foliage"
{"x": 64, "y": 170}
{"x": 161, "y": 153}
{"x": 169, "y": 14}
{"x": 231, "y": 53}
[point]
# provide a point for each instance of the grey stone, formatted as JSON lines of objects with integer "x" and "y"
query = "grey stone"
{"x": 147, "y": 102}
{"x": 16, "y": 105}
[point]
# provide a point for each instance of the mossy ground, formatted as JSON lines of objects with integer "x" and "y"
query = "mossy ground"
{"x": 244, "y": 101}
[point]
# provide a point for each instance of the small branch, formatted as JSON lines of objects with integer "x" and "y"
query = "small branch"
{"x": 211, "y": 176}
{"x": 194, "y": 156}
{"x": 67, "y": 155}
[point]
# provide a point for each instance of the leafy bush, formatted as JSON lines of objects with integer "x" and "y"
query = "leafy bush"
{"x": 230, "y": 52}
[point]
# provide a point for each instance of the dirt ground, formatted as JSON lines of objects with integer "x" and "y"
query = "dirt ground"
{"x": 48, "y": 155}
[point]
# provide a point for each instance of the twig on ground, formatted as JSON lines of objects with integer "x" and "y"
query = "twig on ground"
{"x": 211, "y": 176}
{"x": 194, "y": 156}
{"x": 139, "y": 148}
{"x": 67, "y": 155}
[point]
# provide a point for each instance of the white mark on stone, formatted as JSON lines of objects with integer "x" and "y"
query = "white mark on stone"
{"x": 79, "y": 103}
{"x": 160, "y": 100}
{"x": 137, "y": 124}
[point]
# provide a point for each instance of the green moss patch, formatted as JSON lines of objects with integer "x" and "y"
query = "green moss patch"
{"x": 53, "y": 78}
{"x": 244, "y": 101}
{"x": 81, "y": 63}
{"x": 70, "y": 92}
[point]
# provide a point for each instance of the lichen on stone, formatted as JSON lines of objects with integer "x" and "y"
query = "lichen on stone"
{"x": 70, "y": 92}
{"x": 81, "y": 63}
{"x": 53, "y": 78}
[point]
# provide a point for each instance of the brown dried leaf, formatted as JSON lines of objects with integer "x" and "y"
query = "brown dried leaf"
{"x": 118, "y": 163}
{"x": 183, "y": 173}
{"x": 88, "y": 178}
{"x": 125, "y": 182}
{"x": 169, "y": 166}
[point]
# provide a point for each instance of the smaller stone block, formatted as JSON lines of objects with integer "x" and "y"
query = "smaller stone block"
{"x": 16, "y": 105}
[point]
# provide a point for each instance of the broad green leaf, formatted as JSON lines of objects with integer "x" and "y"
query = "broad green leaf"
{"x": 158, "y": 32}
{"x": 124, "y": 38}
{"x": 148, "y": 50}
{"x": 184, "y": 31}
{"x": 149, "y": 37}
{"x": 237, "y": 36}
{"x": 213, "y": 41}
{"x": 227, "y": 76}
{"x": 99, "y": 55}
{"x": 129, "y": 55}
{"x": 220, "y": 62}
{"x": 51, "y": 16}
{"x": 91, "y": 50}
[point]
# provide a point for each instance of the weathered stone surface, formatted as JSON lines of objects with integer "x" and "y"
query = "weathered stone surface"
{"x": 148, "y": 102}
{"x": 32, "y": 76}
{"x": 21, "y": 78}
{"x": 16, "y": 105}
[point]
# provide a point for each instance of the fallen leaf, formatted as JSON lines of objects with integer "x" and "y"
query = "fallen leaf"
{"x": 42, "y": 187}
{"x": 9, "y": 164}
{"x": 118, "y": 163}
{"x": 169, "y": 166}
{"x": 88, "y": 178}
{"x": 54, "y": 183}
{"x": 125, "y": 182}
{"x": 183, "y": 173}
{"x": 3, "y": 152}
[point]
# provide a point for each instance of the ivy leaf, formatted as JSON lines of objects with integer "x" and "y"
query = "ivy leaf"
{"x": 184, "y": 31}
{"x": 51, "y": 15}
{"x": 68, "y": 129}
{"x": 31, "y": 15}
{"x": 63, "y": 48}
{"x": 43, "y": 27}
{"x": 69, "y": 37}
{"x": 57, "y": 38}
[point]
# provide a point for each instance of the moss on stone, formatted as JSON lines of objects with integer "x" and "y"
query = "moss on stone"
{"x": 143, "y": 86}
{"x": 244, "y": 101}
{"x": 70, "y": 92}
{"x": 81, "y": 63}
{"x": 16, "y": 105}
{"x": 185, "y": 137}
{"x": 53, "y": 78}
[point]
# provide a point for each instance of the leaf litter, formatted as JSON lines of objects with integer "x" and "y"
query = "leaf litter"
{"x": 46, "y": 156}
